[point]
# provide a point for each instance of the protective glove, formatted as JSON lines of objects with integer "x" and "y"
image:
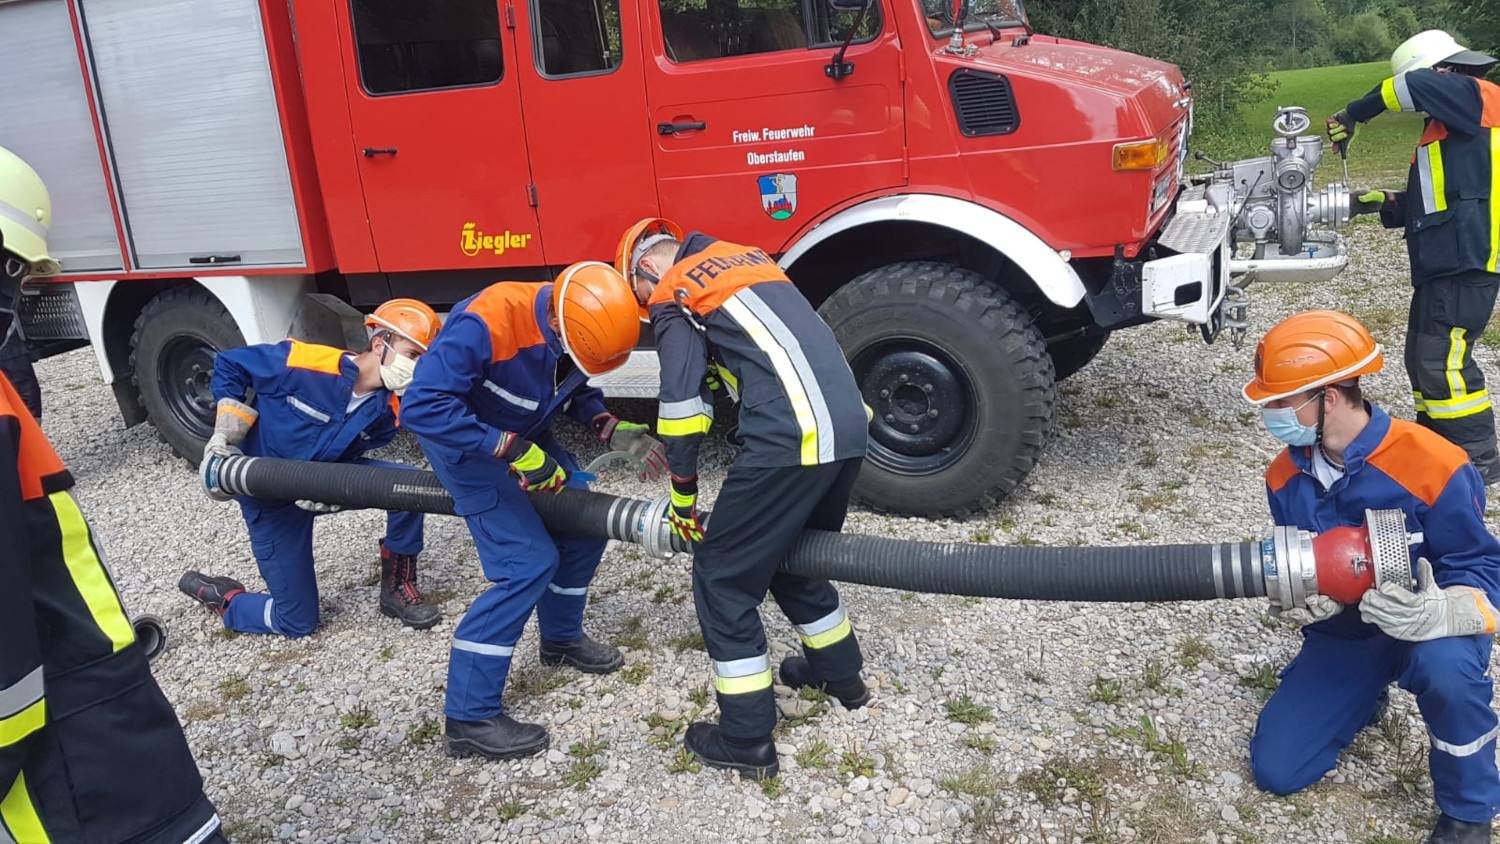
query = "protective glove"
{"x": 636, "y": 439}
{"x": 1341, "y": 127}
{"x": 534, "y": 469}
{"x": 1369, "y": 202}
{"x": 684, "y": 515}
{"x": 1319, "y": 608}
{"x": 1430, "y": 612}
{"x": 318, "y": 506}
{"x": 712, "y": 380}
{"x": 233, "y": 422}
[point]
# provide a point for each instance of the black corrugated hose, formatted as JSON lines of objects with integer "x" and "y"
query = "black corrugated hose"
{"x": 1125, "y": 573}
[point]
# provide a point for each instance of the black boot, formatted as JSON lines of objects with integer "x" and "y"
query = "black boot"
{"x": 399, "y": 597}
{"x": 796, "y": 672}
{"x": 1453, "y": 831}
{"x": 500, "y": 737}
{"x": 212, "y": 592}
{"x": 754, "y": 758}
{"x": 584, "y": 654}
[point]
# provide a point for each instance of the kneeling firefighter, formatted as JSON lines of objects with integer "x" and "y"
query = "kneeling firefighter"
{"x": 90, "y": 749}
{"x": 481, "y": 403}
{"x": 315, "y": 403}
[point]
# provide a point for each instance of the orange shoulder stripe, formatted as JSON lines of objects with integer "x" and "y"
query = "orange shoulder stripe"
{"x": 42, "y": 471}
{"x": 507, "y": 309}
{"x": 712, "y": 276}
{"x": 1421, "y": 461}
{"x": 1489, "y": 94}
{"x": 1281, "y": 470}
{"x": 314, "y": 357}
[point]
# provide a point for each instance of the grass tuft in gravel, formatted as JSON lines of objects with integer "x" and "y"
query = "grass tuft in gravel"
{"x": 965, "y": 710}
{"x": 358, "y": 719}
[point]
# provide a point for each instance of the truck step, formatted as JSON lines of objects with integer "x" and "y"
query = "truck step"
{"x": 639, "y": 378}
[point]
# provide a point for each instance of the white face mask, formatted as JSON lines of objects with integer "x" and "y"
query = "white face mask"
{"x": 396, "y": 375}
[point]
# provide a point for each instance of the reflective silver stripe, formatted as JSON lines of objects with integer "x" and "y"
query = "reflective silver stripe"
{"x": 1239, "y": 574}
{"x": 685, "y": 409}
{"x": 824, "y": 624}
{"x": 746, "y": 667}
{"x": 5, "y": 836}
{"x": 24, "y": 220}
{"x": 1403, "y": 93}
{"x": 507, "y": 395}
{"x": 1218, "y": 571}
{"x": 482, "y": 648}
{"x": 578, "y": 590}
{"x": 1469, "y": 749}
{"x": 270, "y": 624}
{"x": 307, "y": 408}
{"x": 21, "y": 694}
{"x": 788, "y": 341}
{"x": 204, "y": 831}
{"x": 1424, "y": 179}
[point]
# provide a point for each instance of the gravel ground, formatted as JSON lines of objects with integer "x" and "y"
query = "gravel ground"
{"x": 994, "y": 720}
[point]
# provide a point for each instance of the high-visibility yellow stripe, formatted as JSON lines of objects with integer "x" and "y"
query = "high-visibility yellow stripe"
{"x": 743, "y": 685}
{"x": 1439, "y": 185}
{"x": 20, "y": 817}
{"x": 23, "y": 723}
{"x": 1457, "y": 346}
{"x": 1494, "y": 261}
{"x": 786, "y": 372}
{"x": 88, "y": 573}
{"x": 1388, "y": 93}
{"x": 1419, "y": 402}
{"x": 698, "y": 424}
{"x": 828, "y": 637}
{"x": 1456, "y": 408}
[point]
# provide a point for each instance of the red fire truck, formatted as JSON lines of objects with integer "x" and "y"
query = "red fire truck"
{"x": 974, "y": 207}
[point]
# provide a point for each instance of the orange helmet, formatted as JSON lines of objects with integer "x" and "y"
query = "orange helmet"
{"x": 1310, "y": 350}
{"x": 596, "y": 316}
{"x": 637, "y": 239}
{"x": 406, "y": 318}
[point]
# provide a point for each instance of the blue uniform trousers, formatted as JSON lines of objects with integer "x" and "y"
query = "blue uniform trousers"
{"x": 1329, "y": 693}
{"x": 530, "y": 569}
{"x": 281, "y": 535}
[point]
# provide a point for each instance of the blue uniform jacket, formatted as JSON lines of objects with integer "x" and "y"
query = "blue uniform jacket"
{"x": 492, "y": 369}
{"x": 1391, "y": 465}
{"x": 302, "y": 392}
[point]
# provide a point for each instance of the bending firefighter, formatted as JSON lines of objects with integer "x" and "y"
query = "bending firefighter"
{"x": 315, "y": 403}
{"x": 25, "y": 215}
{"x": 1451, "y": 213}
{"x": 805, "y": 430}
{"x": 90, "y": 750}
{"x": 482, "y": 405}
{"x": 1344, "y": 456}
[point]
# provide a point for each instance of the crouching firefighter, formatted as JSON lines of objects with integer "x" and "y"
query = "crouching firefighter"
{"x": 1345, "y": 456}
{"x": 90, "y": 750}
{"x": 315, "y": 403}
{"x": 805, "y": 429}
{"x": 481, "y": 405}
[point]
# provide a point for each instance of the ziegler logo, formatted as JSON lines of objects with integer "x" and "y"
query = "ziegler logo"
{"x": 475, "y": 241}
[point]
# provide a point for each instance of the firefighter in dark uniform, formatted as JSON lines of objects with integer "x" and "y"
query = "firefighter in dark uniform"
{"x": 805, "y": 430}
{"x": 25, "y": 214}
{"x": 90, "y": 750}
{"x": 1451, "y": 212}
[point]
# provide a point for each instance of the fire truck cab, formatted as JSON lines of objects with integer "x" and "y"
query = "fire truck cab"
{"x": 973, "y": 208}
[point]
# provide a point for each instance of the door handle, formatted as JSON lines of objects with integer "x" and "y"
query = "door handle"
{"x": 673, "y": 128}
{"x": 371, "y": 152}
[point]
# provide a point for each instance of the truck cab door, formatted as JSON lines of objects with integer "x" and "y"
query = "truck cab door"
{"x": 753, "y": 134}
{"x": 435, "y": 105}
{"x": 584, "y": 92}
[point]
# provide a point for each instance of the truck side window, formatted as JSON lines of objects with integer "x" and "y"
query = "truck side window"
{"x": 576, "y": 36}
{"x": 405, "y": 47}
{"x": 696, "y": 30}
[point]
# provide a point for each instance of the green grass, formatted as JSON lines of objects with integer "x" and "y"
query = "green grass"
{"x": 1380, "y": 151}
{"x": 965, "y": 711}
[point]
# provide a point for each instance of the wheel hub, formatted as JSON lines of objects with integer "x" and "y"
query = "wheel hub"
{"x": 921, "y": 401}
{"x": 186, "y": 376}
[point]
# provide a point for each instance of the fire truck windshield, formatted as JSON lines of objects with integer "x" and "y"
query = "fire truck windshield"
{"x": 996, "y": 13}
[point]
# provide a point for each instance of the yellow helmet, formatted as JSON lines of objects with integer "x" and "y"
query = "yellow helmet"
{"x": 25, "y": 214}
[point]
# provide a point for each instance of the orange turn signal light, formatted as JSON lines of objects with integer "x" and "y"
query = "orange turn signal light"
{"x": 1140, "y": 155}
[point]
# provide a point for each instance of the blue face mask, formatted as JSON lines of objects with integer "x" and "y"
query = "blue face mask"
{"x": 1283, "y": 425}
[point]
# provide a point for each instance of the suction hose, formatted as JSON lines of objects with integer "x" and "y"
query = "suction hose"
{"x": 1287, "y": 566}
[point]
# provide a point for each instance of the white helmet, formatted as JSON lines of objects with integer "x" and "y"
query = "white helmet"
{"x": 1433, "y": 47}
{"x": 25, "y": 214}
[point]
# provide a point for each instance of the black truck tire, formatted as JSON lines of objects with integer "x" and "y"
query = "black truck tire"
{"x": 960, "y": 382}
{"x": 172, "y": 350}
{"x": 1069, "y": 356}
